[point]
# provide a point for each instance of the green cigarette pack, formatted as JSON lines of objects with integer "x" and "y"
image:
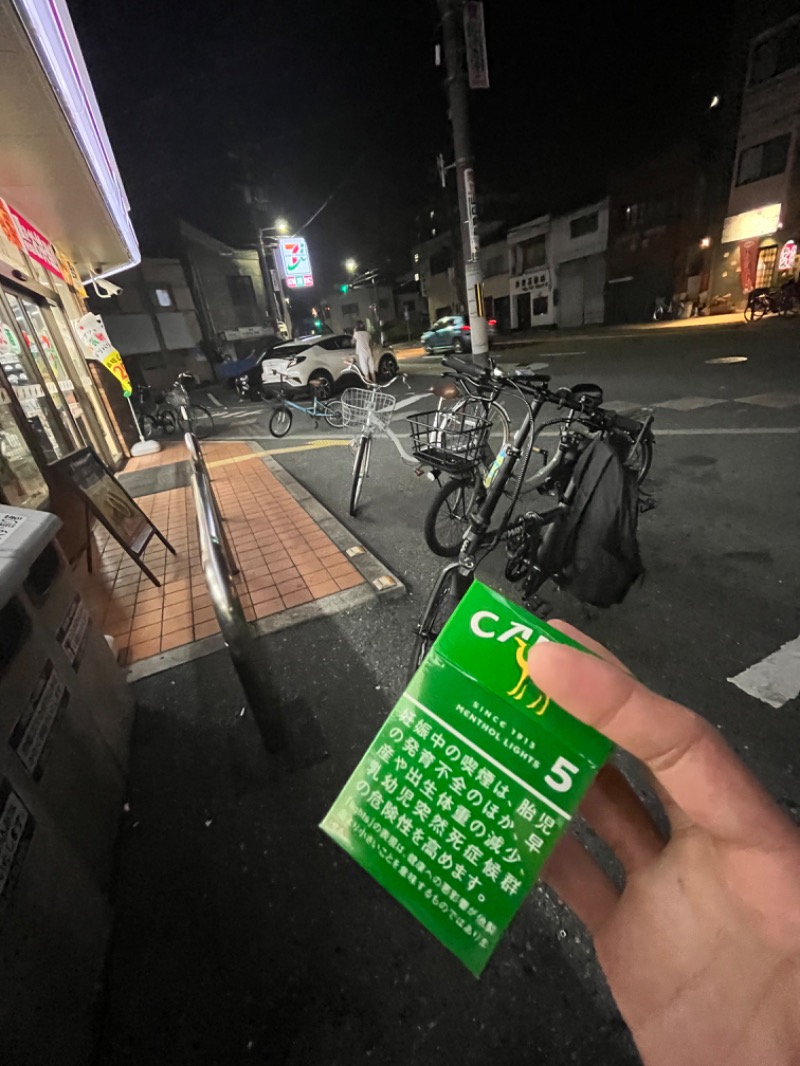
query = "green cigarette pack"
{"x": 471, "y": 780}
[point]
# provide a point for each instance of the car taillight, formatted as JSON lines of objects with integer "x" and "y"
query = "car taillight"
{"x": 492, "y": 321}
{"x": 467, "y": 329}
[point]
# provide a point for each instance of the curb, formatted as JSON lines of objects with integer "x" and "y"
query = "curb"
{"x": 383, "y": 583}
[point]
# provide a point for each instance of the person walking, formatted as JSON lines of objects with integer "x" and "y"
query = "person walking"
{"x": 362, "y": 340}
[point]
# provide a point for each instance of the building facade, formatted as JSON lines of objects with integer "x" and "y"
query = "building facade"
{"x": 235, "y": 310}
{"x": 530, "y": 274}
{"x": 154, "y": 324}
{"x": 761, "y": 231}
{"x": 578, "y": 243}
{"x": 658, "y": 245}
{"x": 63, "y": 218}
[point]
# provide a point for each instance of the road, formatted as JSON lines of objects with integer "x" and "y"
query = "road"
{"x": 264, "y": 943}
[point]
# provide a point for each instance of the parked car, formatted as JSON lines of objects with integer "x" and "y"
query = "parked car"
{"x": 323, "y": 359}
{"x": 452, "y": 334}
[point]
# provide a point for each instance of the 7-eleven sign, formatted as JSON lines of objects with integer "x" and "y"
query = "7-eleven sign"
{"x": 296, "y": 262}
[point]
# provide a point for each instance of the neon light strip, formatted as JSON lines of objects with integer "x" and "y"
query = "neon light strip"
{"x": 53, "y": 38}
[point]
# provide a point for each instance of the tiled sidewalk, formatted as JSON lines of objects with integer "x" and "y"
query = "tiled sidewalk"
{"x": 285, "y": 559}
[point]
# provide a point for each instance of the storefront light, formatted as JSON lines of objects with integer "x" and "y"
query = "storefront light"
{"x": 52, "y": 36}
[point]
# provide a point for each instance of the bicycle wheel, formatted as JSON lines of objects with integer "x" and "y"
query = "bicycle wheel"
{"x": 334, "y": 414}
{"x": 641, "y": 459}
{"x": 447, "y": 592}
{"x": 281, "y": 421}
{"x": 200, "y": 421}
{"x": 790, "y": 306}
{"x": 490, "y": 409}
{"x": 448, "y": 516}
{"x": 168, "y": 419}
{"x": 148, "y": 426}
{"x": 360, "y": 469}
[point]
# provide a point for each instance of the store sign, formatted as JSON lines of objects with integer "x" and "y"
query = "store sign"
{"x": 755, "y": 223}
{"x": 748, "y": 264}
{"x": 475, "y": 40}
{"x": 37, "y": 245}
{"x": 92, "y": 333}
{"x": 788, "y": 255}
{"x": 296, "y": 262}
{"x": 537, "y": 281}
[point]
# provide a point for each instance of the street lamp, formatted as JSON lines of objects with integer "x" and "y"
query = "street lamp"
{"x": 282, "y": 226}
{"x": 351, "y": 266}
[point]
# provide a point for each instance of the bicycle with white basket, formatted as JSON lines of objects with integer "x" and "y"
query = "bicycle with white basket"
{"x": 447, "y": 439}
{"x": 370, "y": 410}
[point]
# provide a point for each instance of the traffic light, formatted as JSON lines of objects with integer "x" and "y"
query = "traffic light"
{"x": 344, "y": 288}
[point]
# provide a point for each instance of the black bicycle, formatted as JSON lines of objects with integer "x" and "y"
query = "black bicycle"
{"x": 532, "y": 540}
{"x": 446, "y": 520}
{"x": 153, "y": 413}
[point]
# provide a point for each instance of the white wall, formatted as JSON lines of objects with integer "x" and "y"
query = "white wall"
{"x": 564, "y": 247}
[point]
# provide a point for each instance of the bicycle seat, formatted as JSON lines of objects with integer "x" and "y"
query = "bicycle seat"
{"x": 446, "y": 390}
{"x": 587, "y": 391}
{"x": 527, "y": 373}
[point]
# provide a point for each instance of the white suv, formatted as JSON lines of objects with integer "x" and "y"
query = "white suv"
{"x": 324, "y": 359}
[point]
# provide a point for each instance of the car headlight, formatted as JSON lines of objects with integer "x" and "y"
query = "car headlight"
{"x": 295, "y": 359}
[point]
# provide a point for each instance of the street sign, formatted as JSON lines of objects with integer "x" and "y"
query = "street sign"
{"x": 472, "y": 213}
{"x": 296, "y": 262}
{"x": 475, "y": 41}
{"x": 471, "y": 780}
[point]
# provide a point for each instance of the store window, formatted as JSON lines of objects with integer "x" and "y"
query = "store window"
{"x": 763, "y": 160}
{"x": 21, "y": 377}
{"x": 49, "y": 363}
{"x": 767, "y": 258}
{"x": 21, "y": 484}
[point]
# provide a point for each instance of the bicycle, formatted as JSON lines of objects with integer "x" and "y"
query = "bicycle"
{"x": 447, "y": 518}
{"x": 161, "y": 415}
{"x": 784, "y": 301}
{"x": 192, "y": 417}
{"x": 371, "y": 410}
{"x": 532, "y": 539}
{"x": 282, "y": 417}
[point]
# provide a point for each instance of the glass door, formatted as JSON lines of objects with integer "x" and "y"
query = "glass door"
{"x": 23, "y": 380}
{"x": 48, "y": 362}
{"x": 21, "y": 484}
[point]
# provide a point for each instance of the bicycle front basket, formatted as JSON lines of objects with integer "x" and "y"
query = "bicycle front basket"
{"x": 360, "y": 406}
{"x": 177, "y": 396}
{"x": 447, "y": 440}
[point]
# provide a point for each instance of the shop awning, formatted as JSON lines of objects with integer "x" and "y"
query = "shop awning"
{"x": 56, "y": 163}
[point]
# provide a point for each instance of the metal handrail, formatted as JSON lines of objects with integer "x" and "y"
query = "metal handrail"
{"x": 250, "y": 666}
{"x": 217, "y": 527}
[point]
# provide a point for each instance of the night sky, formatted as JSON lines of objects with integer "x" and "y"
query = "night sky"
{"x": 343, "y": 99}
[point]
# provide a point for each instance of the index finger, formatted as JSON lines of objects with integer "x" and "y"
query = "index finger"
{"x": 685, "y": 753}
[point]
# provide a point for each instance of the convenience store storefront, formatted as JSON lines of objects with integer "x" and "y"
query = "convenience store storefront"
{"x": 63, "y": 217}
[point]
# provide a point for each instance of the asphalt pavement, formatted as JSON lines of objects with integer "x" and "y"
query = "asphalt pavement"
{"x": 244, "y": 935}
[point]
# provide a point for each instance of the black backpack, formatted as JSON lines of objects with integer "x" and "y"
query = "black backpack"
{"x": 600, "y": 557}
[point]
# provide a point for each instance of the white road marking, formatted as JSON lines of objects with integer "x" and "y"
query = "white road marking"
{"x": 776, "y": 679}
{"x": 690, "y": 403}
{"x": 772, "y": 399}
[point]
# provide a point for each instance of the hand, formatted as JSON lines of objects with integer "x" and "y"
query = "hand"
{"x": 702, "y": 947}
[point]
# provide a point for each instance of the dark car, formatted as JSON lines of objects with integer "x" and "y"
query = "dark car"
{"x": 452, "y": 334}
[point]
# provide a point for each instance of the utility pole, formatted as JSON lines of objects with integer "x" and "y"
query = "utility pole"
{"x": 452, "y": 14}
